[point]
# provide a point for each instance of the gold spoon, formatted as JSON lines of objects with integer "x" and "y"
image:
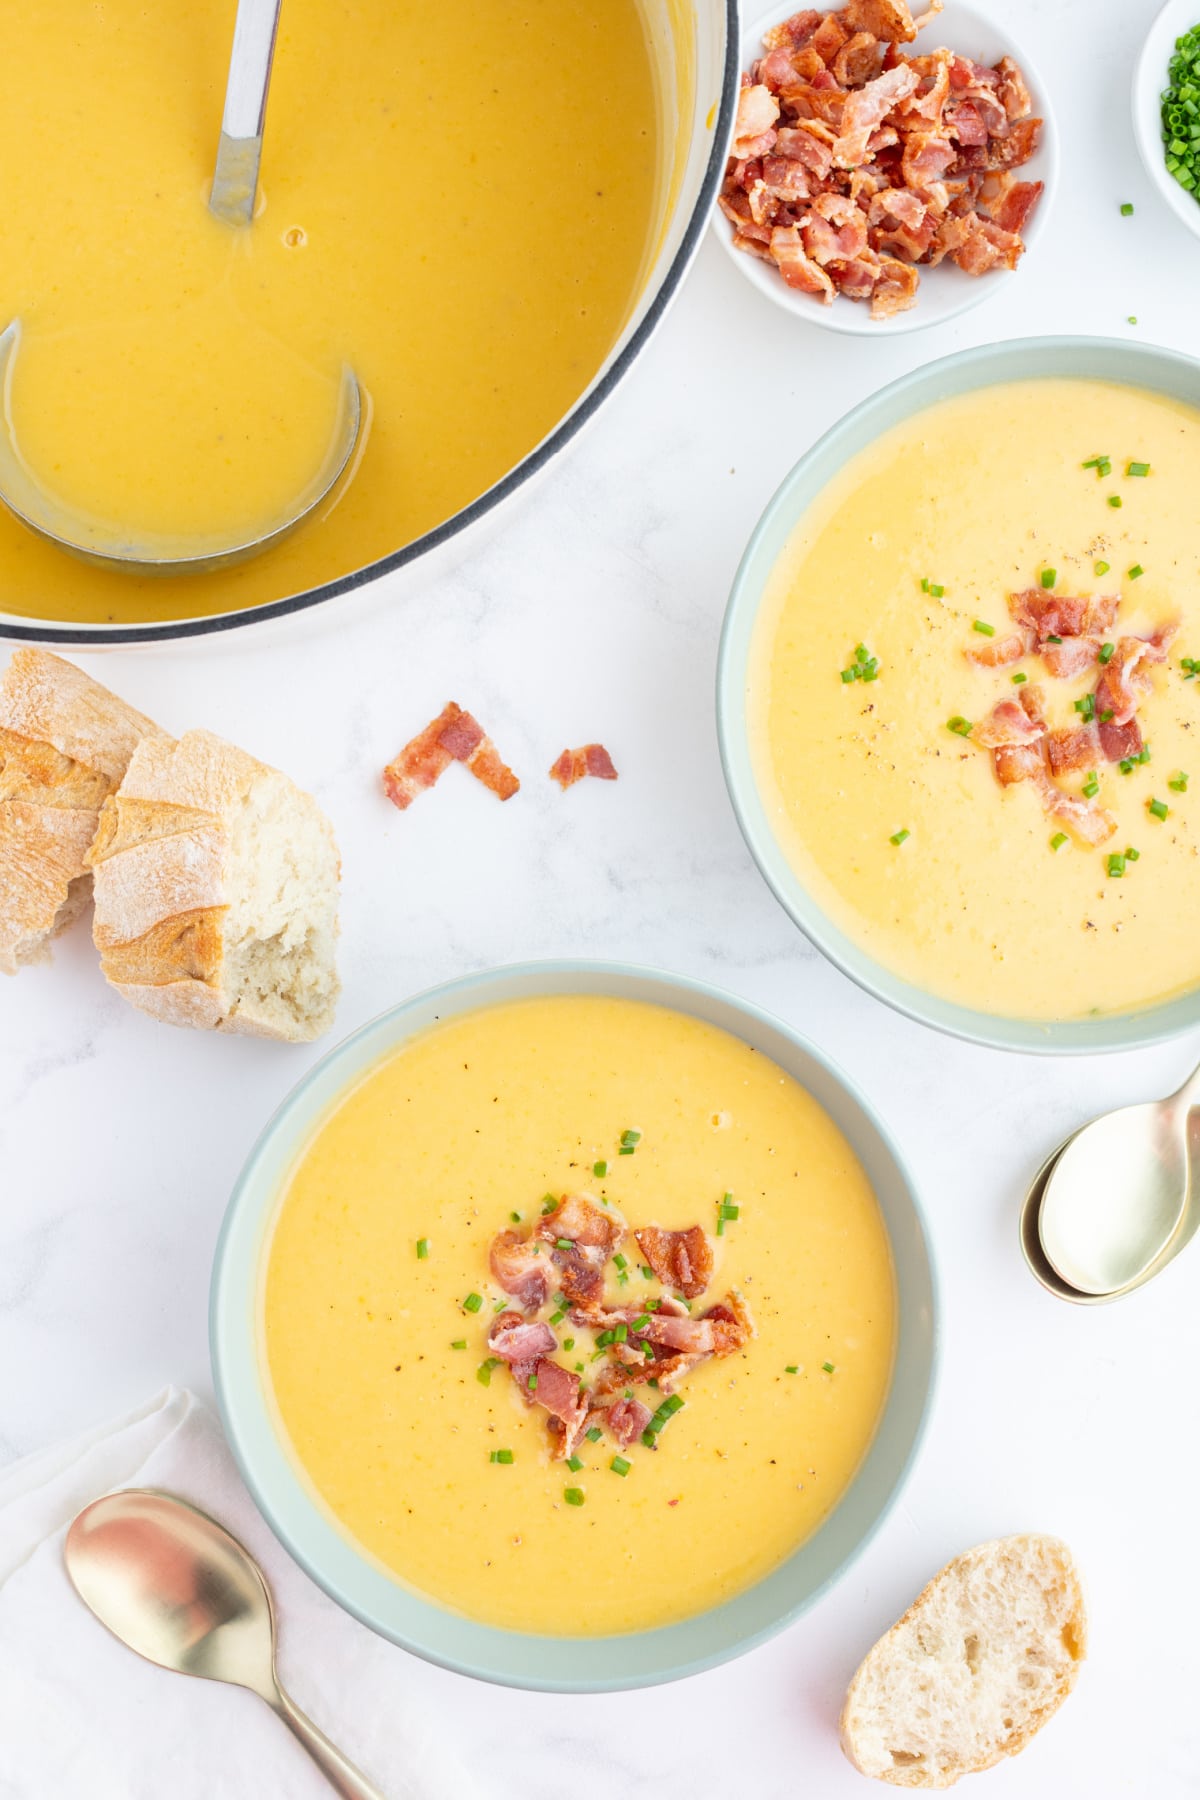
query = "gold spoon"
{"x": 235, "y": 185}
{"x": 174, "y": 1586}
{"x": 1116, "y": 1202}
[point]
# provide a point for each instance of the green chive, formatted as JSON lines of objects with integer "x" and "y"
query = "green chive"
{"x": 1135, "y": 571}
{"x": 640, "y": 1324}
{"x": 1132, "y": 319}
{"x": 593, "y": 1435}
{"x": 574, "y": 1463}
{"x": 1178, "y": 783}
{"x": 631, "y": 1137}
{"x": 549, "y": 1204}
{"x": 568, "y": 1343}
{"x": 620, "y": 1261}
{"x": 422, "y": 1248}
{"x": 1143, "y": 755}
{"x": 647, "y": 1274}
{"x": 1126, "y": 765}
{"x": 984, "y": 630}
{"x": 1091, "y": 786}
{"x": 1158, "y": 809}
{"x": 579, "y": 1368}
{"x": 573, "y": 1496}
{"x": 472, "y": 1303}
{"x": 1131, "y": 855}
{"x": 828, "y": 1368}
{"x": 1136, "y": 468}
{"x": 484, "y": 1372}
{"x": 1086, "y": 707}
{"x": 1049, "y": 577}
{"x": 621, "y": 1334}
{"x": 1126, "y": 209}
{"x": 1115, "y": 500}
{"x": 625, "y": 1150}
{"x": 1058, "y": 840}
{"x": 792, "y": 1369}
{"x": 458, "y": 1344}
{"x": 564, "y": 1243}
{"x": 1104, "y": 717}
{"x": 1018, "y": 678}
{"x": 1116, "y": 865}
{"x": 849, "y": 674}
{"x": 727, "y": 1210}
{"x": 937, "y": 590}
{"x": 924, "y": 584}
{"x": 515, "y": 1217}
{"x": 1093, "y": 462}
{"x": 556, "y": 1318}
{"x": 1107, "y": 652}
{"x": 1054, "y": 640}
{"x": 1101, "y": 568}
{"x": 599, "y": 1168}
{"x": 619, "y": 1466}
{"x": 959, "y": 725}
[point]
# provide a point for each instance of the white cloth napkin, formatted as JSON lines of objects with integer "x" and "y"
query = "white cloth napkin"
{"x": 83, "y": 1718}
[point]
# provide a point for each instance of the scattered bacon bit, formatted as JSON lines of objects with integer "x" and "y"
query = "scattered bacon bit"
{"x": 1125, "y": 679}
{"x": 592, "y": 1233}
{"x": 518, "y": 1267}
{"x": 562, "y": 1395}
{"x": 1084, "y": 817}
{"x": 1007, "y": 723}
{"x": 682, "y": 1260}
{"x": 573, "y": 765}
{"x": 732, "y": 1326}
{"x": 834, "y": 109}
{"x": 997, "y": 653}
{"x": 517, "y": 1339}
{"x": 627, "y": 1419}
{"x": 454, "y": 736}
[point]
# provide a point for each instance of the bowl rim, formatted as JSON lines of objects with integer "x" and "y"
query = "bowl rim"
{"x": 1003, "y": 360}
{"x": 849, "y": 319}
{"x": 18, "y": 629}
{"x": 1149, "y": 80}
{"x": 558, "y": 1665}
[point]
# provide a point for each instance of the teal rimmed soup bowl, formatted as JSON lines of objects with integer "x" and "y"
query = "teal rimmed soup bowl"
{"x": 1102, "y": 359}
{"x": 350, "y": 1575}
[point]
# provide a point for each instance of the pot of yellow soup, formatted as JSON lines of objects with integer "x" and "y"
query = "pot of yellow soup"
{"x": 484, "y": 215}
{"x": 851, "y": 698}
{"x": 355, "y": 1297}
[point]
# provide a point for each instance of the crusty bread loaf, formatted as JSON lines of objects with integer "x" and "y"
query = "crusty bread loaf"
{"x": 979, "y": 1662}
{"x": 216, "y": 892}
{"x": 65, "y": 743}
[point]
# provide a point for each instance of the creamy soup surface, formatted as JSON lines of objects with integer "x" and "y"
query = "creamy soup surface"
{"x": 479, "y": 1119}
{"x": 459, "y": 203}
{"x": 978, "y": 496}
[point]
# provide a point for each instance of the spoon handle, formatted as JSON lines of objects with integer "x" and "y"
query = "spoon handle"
{"x": 235, "y": 181}
{"x": 338, "y": 1771}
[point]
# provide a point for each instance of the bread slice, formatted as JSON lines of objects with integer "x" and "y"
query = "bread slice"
{"x": 975, "y": 1667}
{"x": 65, "y": 743}
{"x": 216, "y": 892}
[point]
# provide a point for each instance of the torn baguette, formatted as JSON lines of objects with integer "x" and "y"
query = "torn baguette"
{"x": 216, "y": 886}
{"x": 979, "y": 1662}
{"x": 65, "y": 743}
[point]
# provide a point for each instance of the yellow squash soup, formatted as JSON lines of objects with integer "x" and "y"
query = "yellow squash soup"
{"x": 476, "y": 1121}
{"x": 989, "y": 900}
{"x": 459, "y": 204}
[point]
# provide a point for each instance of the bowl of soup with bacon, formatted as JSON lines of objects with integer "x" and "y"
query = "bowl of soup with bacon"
{"x": 574, "y": 1325}
{"x": 958, "y": 694}
{"x": 486, "y": 228}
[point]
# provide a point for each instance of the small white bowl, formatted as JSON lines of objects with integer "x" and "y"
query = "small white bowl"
{"x": 945, "y": 291}
{"x": 1149, "y": 81}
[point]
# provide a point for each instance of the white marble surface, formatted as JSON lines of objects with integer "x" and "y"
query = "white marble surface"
{"x": 595, "y": 614}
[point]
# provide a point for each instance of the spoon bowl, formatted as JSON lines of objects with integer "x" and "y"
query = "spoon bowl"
{"x": 173, "y": 1585}
{"x": 112, "y": 546}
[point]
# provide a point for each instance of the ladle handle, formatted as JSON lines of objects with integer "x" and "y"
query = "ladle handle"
{"x": 338, "y": 1771}
{"x": 235, "y": 180}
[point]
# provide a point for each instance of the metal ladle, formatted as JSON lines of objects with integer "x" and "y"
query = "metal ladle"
{"x": 1117, "y": 1201}
{"x": 173, "y": 1585}
{"x": 234, "y": 189}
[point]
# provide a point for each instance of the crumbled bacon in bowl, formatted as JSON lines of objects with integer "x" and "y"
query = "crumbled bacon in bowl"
{"x": 855, "y": 164}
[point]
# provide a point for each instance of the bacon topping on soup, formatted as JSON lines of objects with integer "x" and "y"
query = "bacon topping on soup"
{"x": 919, "y": 149}
{"x": 682, "y": 1260}
{"x": 454, "y": 736}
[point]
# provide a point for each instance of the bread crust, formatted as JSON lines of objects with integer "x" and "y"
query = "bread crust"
{"x": 857, "y": 1709}
{"x": 164, "y": 883}
{"x": 65, "y": 743}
